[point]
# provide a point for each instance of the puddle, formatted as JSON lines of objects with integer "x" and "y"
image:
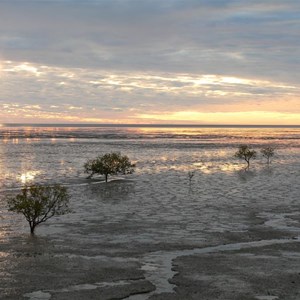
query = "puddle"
{"x": 46, "y": 295}
{"x": 38, "y": 295}
{"x": 266, "y": 297}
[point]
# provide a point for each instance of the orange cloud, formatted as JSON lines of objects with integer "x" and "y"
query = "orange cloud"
{"x": 234, "y": 118}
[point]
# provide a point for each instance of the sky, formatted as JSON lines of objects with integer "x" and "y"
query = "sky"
{"x": 150, "y": 61}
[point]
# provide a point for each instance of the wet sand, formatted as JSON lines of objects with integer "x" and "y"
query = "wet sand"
{"x": 129, "y": 249}
{"x": 228, "y": 234}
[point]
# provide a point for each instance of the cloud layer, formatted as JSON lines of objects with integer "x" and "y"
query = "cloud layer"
{"x": 149, "y": 61}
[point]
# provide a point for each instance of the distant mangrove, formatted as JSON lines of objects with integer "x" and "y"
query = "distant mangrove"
{"x": 268, "y": 152}
{"x": 246, "y": 153}
{"x": 109, "y": 164}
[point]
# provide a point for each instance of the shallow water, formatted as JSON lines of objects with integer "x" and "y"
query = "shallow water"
{"x": 58, "y": 154}
{"x": 160, "y": 186}
{"x": 158, "y": 204}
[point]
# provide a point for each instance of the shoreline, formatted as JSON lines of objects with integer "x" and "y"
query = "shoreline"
{"x": 83, "y": 125}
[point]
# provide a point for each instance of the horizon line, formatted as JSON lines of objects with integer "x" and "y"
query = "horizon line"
{"x": 144, "y": 125}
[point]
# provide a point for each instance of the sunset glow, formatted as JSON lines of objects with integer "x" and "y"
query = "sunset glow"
{"x": 177, "y": 74}
{"x": 234, "y": 118}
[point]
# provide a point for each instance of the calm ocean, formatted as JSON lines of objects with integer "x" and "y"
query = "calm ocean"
{"x": 158, "y": 204}
{"x": 54, "y": 153}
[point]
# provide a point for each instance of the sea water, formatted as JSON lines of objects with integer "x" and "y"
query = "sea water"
{"x": 160, "y": 192}
{"x": 146, "y": 219}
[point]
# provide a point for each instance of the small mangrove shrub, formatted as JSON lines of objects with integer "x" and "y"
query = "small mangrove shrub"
{"x": 268, "y": 152}
{"x": 39, "y": 203}
{"x": 109, "y": 164}
{"x": 246, "y": 153}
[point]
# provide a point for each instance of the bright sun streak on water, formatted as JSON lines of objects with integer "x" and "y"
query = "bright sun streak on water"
{"x": 28, "y": 176}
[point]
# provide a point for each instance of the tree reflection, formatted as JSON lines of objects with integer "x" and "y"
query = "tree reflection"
{"x": 246, "y": 174}
{"x": 117, "y": 190}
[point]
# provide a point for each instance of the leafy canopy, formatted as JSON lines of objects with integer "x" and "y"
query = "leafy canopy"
{"x": 109, "y": 164}
{"x": 39, "y": 203}
{"x": 244, "y": 152}
{"x": 268, "y": 152}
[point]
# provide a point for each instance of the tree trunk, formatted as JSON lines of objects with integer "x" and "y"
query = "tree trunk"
{"x": 32, "y": 227}
{"x": 106, "y": 177}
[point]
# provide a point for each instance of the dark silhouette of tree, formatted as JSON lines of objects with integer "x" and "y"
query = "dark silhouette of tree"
{"x": 39, "y": 203}
{"x": 109, "y": 164}
{"x": 268, "y": 152}
{"x": 244, "y": 152}
{"x": 191, "y": 174}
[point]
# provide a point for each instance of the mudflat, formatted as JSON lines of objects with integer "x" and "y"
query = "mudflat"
{"x": 123, "y": 248}
{"x": 227, "y": 233}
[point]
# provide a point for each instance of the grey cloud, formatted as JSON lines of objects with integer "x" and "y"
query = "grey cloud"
{"x": 139, "y": 34}
{"x": 94, "y": 38}
{"x": 105, "y": 91}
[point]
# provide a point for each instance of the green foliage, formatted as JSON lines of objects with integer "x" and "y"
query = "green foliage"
{"x": 244, "y": 152}
{"x": 268, "y": 152}
{"x": 39, "y": 203}
{"x": 109, "y": 164}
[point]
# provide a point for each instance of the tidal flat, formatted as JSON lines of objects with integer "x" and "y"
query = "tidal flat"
{"x": 228, "y": 233}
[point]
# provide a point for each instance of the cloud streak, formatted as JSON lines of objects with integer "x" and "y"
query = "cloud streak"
{"x": 125, "y": 59}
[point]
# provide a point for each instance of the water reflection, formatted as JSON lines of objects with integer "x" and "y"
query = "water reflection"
{"x": 217, "y": 167}
{"x": 245, "y": 174}
{"x": 215, "y": 135}
{"x": 3, "y": 254}
{"x": 229, "y": 167}
{"x": 55, "y": 153}
{"x": 204, "y": 168}
{"x": 268, "y": 170}
{"x": 115, "y": 191}
{"x": 28, "y": 176}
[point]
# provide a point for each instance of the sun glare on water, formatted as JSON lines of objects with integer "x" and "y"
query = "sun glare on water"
{"x": 28, "y": 176}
